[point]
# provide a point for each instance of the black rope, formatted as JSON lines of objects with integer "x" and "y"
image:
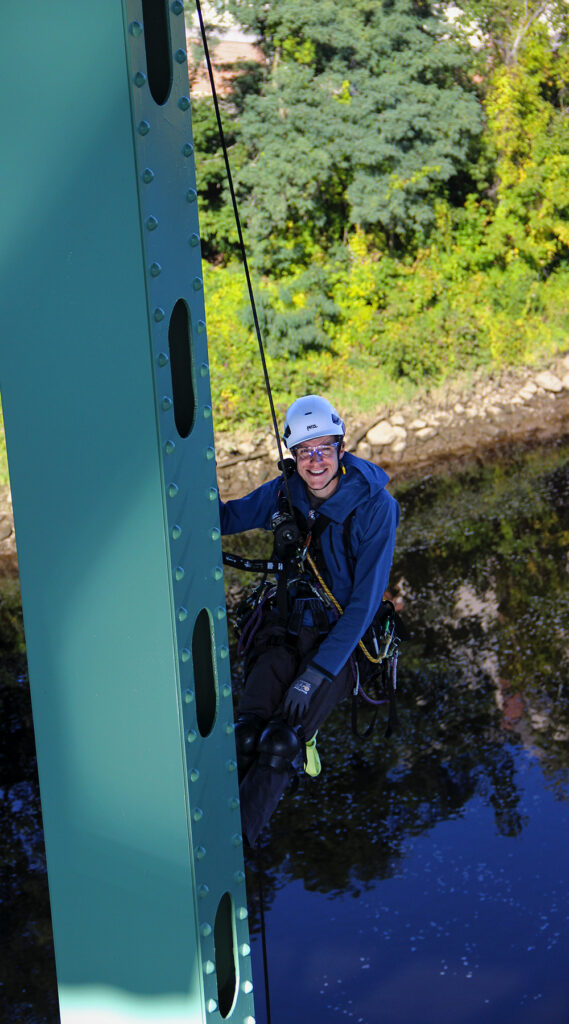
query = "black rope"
{"x": 243, "y": 252}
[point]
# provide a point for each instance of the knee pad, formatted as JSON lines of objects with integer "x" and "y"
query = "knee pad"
{"x": 248, "y": 729}
{"x": 278, "y": 746}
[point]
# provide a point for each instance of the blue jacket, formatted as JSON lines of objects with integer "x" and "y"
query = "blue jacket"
{"x": 359, "y": 588}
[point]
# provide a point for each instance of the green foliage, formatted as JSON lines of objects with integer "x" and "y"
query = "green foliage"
{"x": 501, "y": 29}
{"x": 398, "y": 245}
{"x": 364, "y": 117}
{"x": 528, "y": 122}
{"x": 217, "y": 224}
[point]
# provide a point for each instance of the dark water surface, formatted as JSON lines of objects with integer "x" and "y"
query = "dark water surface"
{"x": 422, "y": 879}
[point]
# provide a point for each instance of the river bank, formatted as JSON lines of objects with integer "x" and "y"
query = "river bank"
{"x": 465, "y": 420}
{"x": 471, "y": 419}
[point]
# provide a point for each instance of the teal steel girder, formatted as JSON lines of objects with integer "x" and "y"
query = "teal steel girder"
{"x": 105, "y": 389}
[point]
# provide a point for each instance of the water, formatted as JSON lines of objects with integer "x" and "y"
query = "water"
{"x": 470, "y": 926}
{"x": 422, "y": 879}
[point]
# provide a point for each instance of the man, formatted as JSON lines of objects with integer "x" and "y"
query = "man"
{"x": 301, "y": 665}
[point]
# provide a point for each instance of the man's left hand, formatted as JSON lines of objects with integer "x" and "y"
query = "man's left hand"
{"x": 301, "y": 693}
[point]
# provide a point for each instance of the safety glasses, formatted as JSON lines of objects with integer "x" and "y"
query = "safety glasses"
{"x": 319, "y": 451}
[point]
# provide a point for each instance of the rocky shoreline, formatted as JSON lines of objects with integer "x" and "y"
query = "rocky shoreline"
{"x": 453, "y": 425}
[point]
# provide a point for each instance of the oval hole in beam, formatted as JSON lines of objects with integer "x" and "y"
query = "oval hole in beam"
{"x": 204, "y": 672}
{"x": 180, "y": 345}
{"x": 158, "y": 49}
{"x": 225, "y": 942}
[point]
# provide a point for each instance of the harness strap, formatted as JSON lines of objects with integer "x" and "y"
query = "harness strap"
{"x": 370, "y": 657}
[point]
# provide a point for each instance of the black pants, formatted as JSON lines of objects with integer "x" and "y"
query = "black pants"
{"x": 275, "y": 663}
{"x": 272, "y": 666}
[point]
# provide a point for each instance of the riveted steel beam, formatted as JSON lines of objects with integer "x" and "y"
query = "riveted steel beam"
{"x": 105, "y": 389}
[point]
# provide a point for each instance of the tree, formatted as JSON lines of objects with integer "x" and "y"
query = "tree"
{"x": 365, "y": 115}
{"x": 500, "y": 28}
{"x": 528, "y": 130}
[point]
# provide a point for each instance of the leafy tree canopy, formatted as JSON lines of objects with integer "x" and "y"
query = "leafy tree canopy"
{"x": 364, "y": 116}
{"x": 501, "y": 28}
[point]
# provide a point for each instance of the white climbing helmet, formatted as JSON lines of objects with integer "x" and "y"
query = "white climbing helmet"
{"x": 311, "y": 416}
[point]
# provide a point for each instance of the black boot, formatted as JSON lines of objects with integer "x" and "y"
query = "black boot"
{"x": 268, "y": 778}
{"x": 248, "y": 729}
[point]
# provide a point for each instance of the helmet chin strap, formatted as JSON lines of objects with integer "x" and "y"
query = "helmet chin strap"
{"x": 341, "y": 470}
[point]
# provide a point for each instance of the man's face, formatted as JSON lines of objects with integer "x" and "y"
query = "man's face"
{"x": 317, "y": 464}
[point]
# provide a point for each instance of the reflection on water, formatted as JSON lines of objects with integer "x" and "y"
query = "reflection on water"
{"x": 443, "y": 849}
{"x": 424, "y": 878}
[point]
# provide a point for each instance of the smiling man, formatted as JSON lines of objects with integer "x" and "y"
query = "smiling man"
{"x": 299, "y": 661}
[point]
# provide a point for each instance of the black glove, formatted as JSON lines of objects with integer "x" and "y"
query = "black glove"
{"x": 300, "y": 694}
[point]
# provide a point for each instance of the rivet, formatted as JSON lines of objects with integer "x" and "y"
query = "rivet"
{"x": 191, "y": 195}
{"x": 197, "y": 284}
{"x": 226, "y": 690}
{"x": 204, "y": 370}
{"x": 162, "y": 359}
{"x": 220, "y": 612}
{"x": 143, "y": 127}
{"x": 191, "y": 735}
{"x": 230, "y": 766}
{"x": 185, "y": 655}
{"x": 187, "y": 149}
{"x": 159, "y": 314}
{"x": 237, "y": 839}
{"x": 223, "y": 652}
{"x": 242, "y": 913}
{"x": 205, "y": 930}
{"x": 147, "y": 175}
{"x": 155, "y": 269}
{"x": 246, "y": 986}
{"x": 248, "y": 1020}
{"x": 179, "y": 573}
{"x": 152, "y": 223}
{"x": 201, "y": 326}
{"x": 180, "y": 56}
{"x": 234, "y": 803}
{"x": 211, "y": 1006}
{"x": 177, "y": 7}
{"x": 209, "y": 966}
{"x": 239, "y": 876}
{"x": 139, "y": 79}
{"x": 197, "y": 814}
{"x": 245, "y": 949}
{"x": 200, "y": 854}
{"x": 218, "y": 573}
{"x": 135, "y": 28}
{"x": 184, "y": 103}
{"x": 176, "y": 532}
{"x": 194, "y": 240}
{"x": 228, "y": 728}
{"x": 173, "y": 490}
{"x": 215, "y": 534}
{"x": 210, "y": 453}
{"x": 182, "y": 614}
{"x": 212, "y": 493}
{"x": 203, "y": 892}
{"x": 194, "y": 775}
{"x": 206, "y": 412}
{"x": 169, "y": 447}
{"x": 166, "y": 403}
{"x": 188, "y": 694}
